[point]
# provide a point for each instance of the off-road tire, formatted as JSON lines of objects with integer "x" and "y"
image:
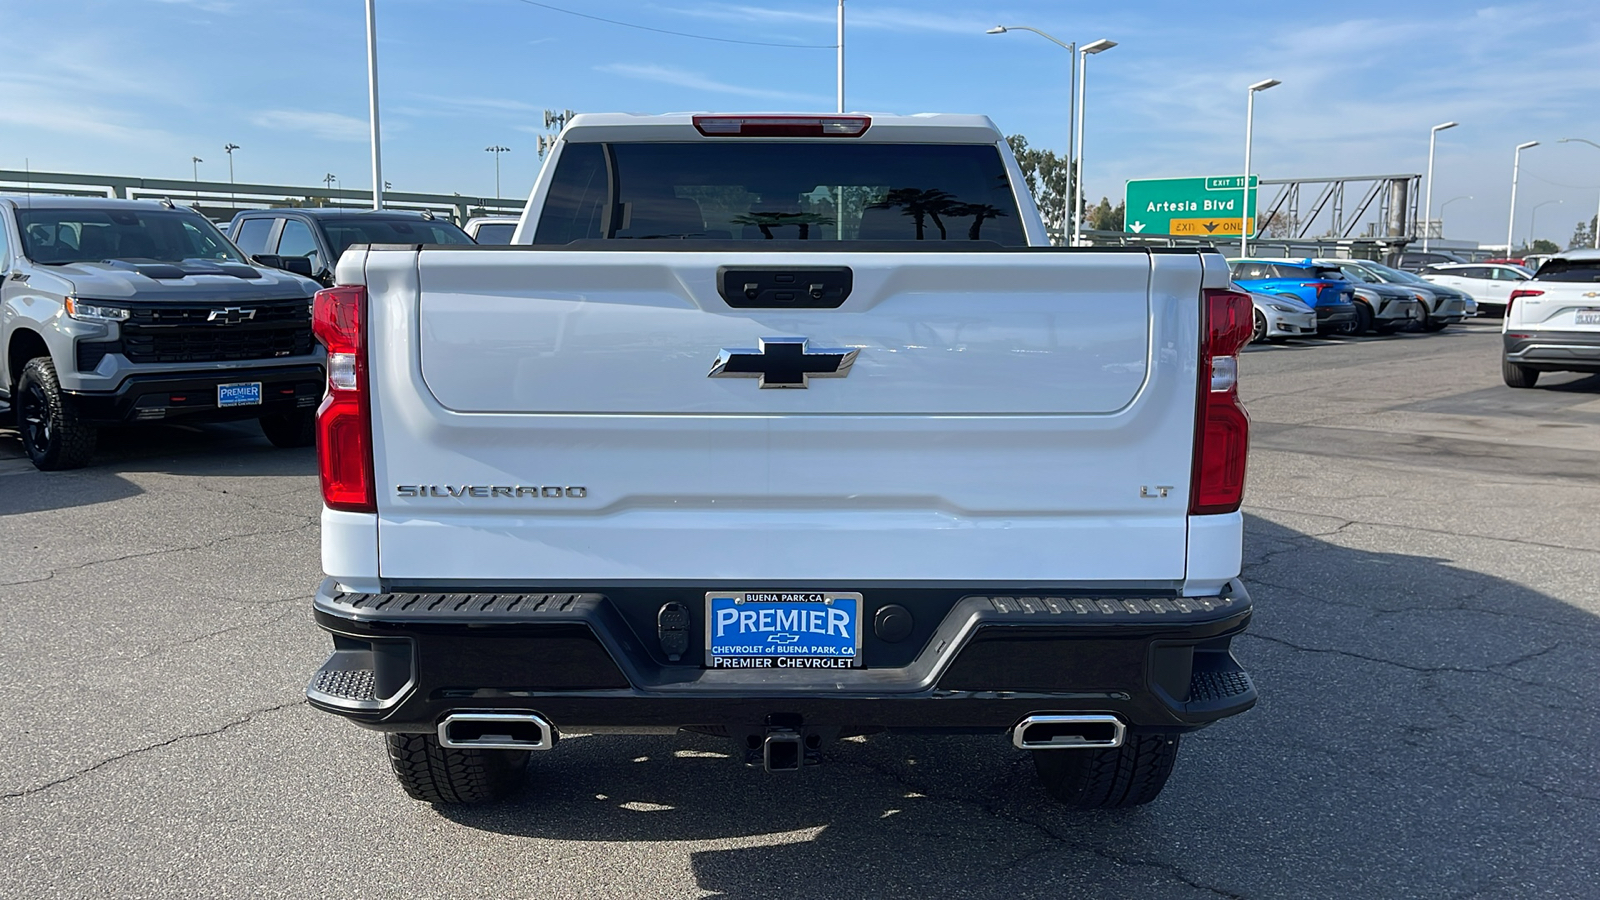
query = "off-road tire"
{"x": 293, "y": 429}
{"x": 1518, "y": 376}
{"x": 1130, "y": 775}
{"x": 1364, "y": 319}
{"x": 434, "y": 773}
{"x": 51, "y": 433}
{"x": 1260, "y": 333}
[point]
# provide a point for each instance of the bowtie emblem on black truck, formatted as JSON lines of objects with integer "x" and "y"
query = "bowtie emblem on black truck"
{"x": 231, "y": 315}
{"x": 784, "y": 362}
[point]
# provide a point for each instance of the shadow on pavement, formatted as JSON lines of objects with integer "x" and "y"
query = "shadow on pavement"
{"x": 1424, "y": 730}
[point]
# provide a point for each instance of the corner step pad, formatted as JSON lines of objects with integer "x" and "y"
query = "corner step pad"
{"x": 347, "y": 684}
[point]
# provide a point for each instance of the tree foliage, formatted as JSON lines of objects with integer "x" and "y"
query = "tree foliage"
{"x": 1106, "y": 217}
{"x": 1049, "y": 178}
{"x": 1584, "y": 235}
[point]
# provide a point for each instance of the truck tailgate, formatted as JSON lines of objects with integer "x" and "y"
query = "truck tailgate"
{"x": 547, "y": 416}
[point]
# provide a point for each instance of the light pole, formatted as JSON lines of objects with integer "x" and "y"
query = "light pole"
{"x": 1087, "y": 50}
{"x": 328, "y": 180}
{"x": 1533, "y": 220}
{"x": 1597, "y": 210}
{"x": 1433, "y": 134}
{"x": 1072, "y": 117}
{"x": 228, "y": 149}
{"x": 1516, "y": 164}
{"x": 372, "y": 102}
{"x": 1249, "y": 129}
{"x": 841, "y": 56}
{"x": 1443, "y": 206}
{"x": 196, "y": 161}
{"x": 497, "y": 150}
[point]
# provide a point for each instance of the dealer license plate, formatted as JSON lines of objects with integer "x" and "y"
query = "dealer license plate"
{"x": 243, "y": 394}
{"x": 1588, "y": 317}
{"x": 783, "y": 630}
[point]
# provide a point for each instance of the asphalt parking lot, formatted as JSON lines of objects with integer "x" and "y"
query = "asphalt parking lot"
{"x": 1422, "y": 544}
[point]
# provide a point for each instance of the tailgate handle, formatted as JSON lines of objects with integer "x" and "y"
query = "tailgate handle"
{"x": 794, "y": 287}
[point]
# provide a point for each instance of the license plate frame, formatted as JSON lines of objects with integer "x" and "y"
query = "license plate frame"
{"x": 803, "y": 637}
{"x": 242, "y": 393}
{"x": 1586, "y": 316}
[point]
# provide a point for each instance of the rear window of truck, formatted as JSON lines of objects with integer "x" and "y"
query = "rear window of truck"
{"x": 758, "y": 191}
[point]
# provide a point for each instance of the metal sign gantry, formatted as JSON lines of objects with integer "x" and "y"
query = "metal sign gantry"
{"x": 1396, "y": 196}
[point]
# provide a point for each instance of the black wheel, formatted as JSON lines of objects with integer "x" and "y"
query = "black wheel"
{"x": 1364, "y": 319}
{"x": 434, "y": 773}
{"x": 1518, "y": 376}
{"x": 52, "y": 435}
{"x": 1130, "y": 775}
{"x": 294, "y": 429}
{"x": 1260, "y": 334}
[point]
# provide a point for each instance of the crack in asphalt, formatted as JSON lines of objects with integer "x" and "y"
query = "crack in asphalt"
{"x": 993, "y": 810}
{"x": 1438, "y": 531}
{"x": 65, "y": 779}
{"x": 162, "y": 552}
{"x": 1429, "y": 670}
{"x": 168, "y": 646}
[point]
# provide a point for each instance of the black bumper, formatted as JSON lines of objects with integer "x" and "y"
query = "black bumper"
{"x": 192, "y": 396}
{"x": 402, "y": 661}
{"x": 1333, "y": 316}
{"x": 1554, "y": 351}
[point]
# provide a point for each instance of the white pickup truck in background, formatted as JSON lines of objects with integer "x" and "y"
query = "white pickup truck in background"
{"x": 783, "y": 428}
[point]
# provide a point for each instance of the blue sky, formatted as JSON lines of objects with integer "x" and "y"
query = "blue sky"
{"x": 140, "y": 86}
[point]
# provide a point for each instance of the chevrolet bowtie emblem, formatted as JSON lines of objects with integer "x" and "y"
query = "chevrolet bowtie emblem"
{"x": 1593, "y": 294}
{"x": 231, "y": 315}
{"x": 784, "y": 362}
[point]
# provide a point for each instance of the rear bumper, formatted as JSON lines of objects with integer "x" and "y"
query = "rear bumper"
{"x": 1554, "y": 351}
{"x": 192, "y": 397}
{"x": 402, "y": 662}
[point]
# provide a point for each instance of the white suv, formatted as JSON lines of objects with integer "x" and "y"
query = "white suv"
{"x": 1490, "y": 284}
{"x": 1552, "y": 322}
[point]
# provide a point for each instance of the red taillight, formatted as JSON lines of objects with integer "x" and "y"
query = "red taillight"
{"x": 1222, "y": 427}
{"x": 1523, "y": 292}
{"x": 344, "y": 421}
{"x": 1319, "y": 285}
{"x": 782, "y": 126}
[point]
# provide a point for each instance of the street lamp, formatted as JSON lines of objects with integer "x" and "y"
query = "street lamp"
{"x": 1068, "y": 214}
{"x": 372, "y": 103}
{"x": 1516, "y": 164}
{"x": 1088, "y": 50}
{"x": 196, "y": 161}
{"x": 1533, "y": 221}
{"x": 1249, "y": 129}
{"x": 1445, "y": 205}
{"x": 1433, "y": 134}
{"x": 1597, "y": 210}
{"x": 497, "y": 150}
{"x": 228, "y": 149}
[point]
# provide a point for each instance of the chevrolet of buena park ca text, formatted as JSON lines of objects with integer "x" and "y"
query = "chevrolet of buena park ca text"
{"x": 784, "y": 428}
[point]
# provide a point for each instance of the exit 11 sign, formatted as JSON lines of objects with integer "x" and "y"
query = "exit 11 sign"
{"x": 1191, "y": 207}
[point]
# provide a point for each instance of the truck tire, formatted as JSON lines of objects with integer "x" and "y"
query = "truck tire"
{"x": 293, "y": 429}
{"x": 51, "y": 433}
{"x": 1129, "y": 775}
{"x": 434, "y": 773}
{"x": 1518, "y": 376}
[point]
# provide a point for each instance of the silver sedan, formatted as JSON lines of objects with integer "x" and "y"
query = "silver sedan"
{"x": 1280, "y": 316}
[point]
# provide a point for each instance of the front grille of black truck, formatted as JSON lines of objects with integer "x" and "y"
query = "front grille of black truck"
{"x": 216, "y": 333}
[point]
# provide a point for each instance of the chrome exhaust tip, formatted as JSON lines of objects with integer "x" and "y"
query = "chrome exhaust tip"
{"x": 1052, "y": 731}
{"x": 497, "y": 731}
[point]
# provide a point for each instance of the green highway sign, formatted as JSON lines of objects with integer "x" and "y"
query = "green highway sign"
{"x": 1192, "y": 207}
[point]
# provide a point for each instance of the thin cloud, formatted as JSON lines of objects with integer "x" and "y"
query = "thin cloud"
{"x": 325, "y": 125}
{"x": 884, "y": 19}
{"x": 695, "y": 81}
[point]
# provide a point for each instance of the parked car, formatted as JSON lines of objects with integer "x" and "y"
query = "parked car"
{"x": 318, "y": 235}
{"x": 124, "y": 311}
{"x": 1444, "y": 305}
{"x": 1552, "y": 322}
{"x": 1380, "y": 306}
{"x": 1279, "y": 316}
{"x": 710, "y": 488}
{"x": 1323, "y": 288}
{"x": 492, "y": 229}
{"x": 1490, "y": 285}
{"x": 1417, "y": 260}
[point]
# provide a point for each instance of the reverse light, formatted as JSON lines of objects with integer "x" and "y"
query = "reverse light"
{"x": 344, "y": 421}
{"x": 1222, "y": 427}
{"x": 95, "y": 312}
{"x": 782, "y": 126}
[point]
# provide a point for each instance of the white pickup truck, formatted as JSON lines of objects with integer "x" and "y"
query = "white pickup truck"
{"x": 782, "y": 428}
